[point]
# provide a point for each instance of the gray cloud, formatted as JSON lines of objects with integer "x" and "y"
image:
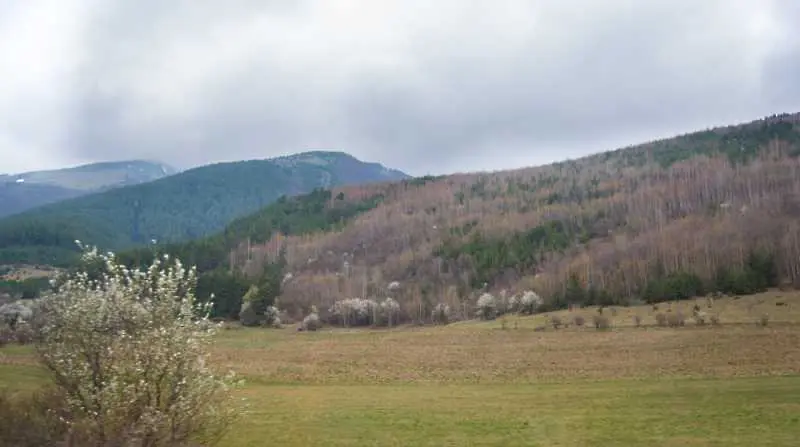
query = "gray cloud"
{"x": 428, "y": 87}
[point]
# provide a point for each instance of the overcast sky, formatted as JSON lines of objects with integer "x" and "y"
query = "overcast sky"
{"x": 423, "y": 86}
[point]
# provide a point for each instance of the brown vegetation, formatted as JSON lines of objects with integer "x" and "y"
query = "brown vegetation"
{"x": 696, "y": 215}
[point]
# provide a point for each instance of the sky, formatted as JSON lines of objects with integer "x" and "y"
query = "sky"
{"x": 428, "y": 87}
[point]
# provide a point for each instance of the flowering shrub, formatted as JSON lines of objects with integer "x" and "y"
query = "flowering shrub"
{"x": 271, "y": 317}
{"x": 354, "y": 311}
{"x": 311, "y": 322}
{"x": 365, "y": 312}
{"x": 487, "y": 307}
{"x": 441, "y": 314}
{"x": 128, "y": 350}
{"x": 529, "y": 302}
{"x": 16, "y": 312}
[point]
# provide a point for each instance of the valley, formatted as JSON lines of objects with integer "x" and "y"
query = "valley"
{"x": 503, "y": 383}
{"x": 644, "y": 296}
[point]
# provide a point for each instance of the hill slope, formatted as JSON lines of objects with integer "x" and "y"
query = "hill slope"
{"x": 181, "y": 207}
{"x": 710, "y": 211}
{"x": 28, "y": 190}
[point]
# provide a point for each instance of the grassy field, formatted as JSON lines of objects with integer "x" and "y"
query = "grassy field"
{"x": 476, "y": 383}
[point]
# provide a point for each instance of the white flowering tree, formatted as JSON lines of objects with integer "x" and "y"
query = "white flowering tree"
{"x": 529, "y": 302}
{"x": 390, "y": 312}
{"x": 441, "y": 314}
{"x": 487, "y": 307}
{"x": 128, "y": 350}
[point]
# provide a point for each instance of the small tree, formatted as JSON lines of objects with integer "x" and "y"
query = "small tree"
{"x": 128, "y": 350}
{"x": 487, "y": 307}
{"x": 441, "y": 314}
{"x": 529, "y": 302}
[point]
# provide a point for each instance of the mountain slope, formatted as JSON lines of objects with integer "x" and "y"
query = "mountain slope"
{"x": 181, "y": 207}
{"x": 29, "y": 190}
{"x": 716, "y": 210}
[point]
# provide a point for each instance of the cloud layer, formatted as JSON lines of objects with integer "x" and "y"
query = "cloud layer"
{"x": 427, "y": 87}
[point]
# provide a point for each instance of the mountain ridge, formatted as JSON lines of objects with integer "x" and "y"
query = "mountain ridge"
{"x": 29, "y": 190}
{"x": 190, "y": 204}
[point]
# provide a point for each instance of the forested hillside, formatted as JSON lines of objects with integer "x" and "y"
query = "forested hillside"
{"x": 182, "y": 207}
{"x": 28, "y": 190}
{"x": 714, "y": 211}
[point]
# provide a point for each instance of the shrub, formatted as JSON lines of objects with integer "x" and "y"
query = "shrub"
{"x": 487, "y": 307}
{"x": 700, "y": 318}
{"x": 715, "y": 320}
{"x": 271, "y": 317}
{"x": 555, "y": 320}
{"x": 674, "y": 286}
{"x": 675, "y": 319}
{"x": 441, "y": 314}
{"x": 661, "y": 319}
{"x": 529, "y": 302}
{"x": 763, "y": 320}
{"x": 601, "y": 321}
{"x": 311, "y": 322}
{"x": 579, "y": 320}
{"x": 355, "y": 312}
{"x": 637, "y": 321}
{"x": 24, "y": 334}
{"x": 148, "y": 382}
{"x": 15, "y": 312}
{"x": 248, "y": 316}
{"x": 34, "y": 419}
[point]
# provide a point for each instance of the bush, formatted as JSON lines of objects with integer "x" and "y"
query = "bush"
{"x": 35, "y": 419}
{"x": 661, "y": 319}
{"x": 12, "y": 312}
{"x": 700, "y": 318}
{"x": 441, "y": 314}
{"x": 675, "y": 319}
{"x": 487, "y": 307}
{"x": 555, "y": 320}
{"x": 675, "y": 286}
{"x": 529, "y": 302}
{"x": 389, "y": 314}
{"x": 763, "y": 320}
{"x": 147, "y": 382}
{"x": 355, "y": 312}
{"x": 311, "y": 322}
{"x": 248, "y": 316}
{"x": 601, "y": 322}
{"x": 637, "y": 321}
{"x": 579, "y": 320}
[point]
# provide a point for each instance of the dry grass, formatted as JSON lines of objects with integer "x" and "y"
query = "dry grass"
{"x": 357, "y": 387}
{"x": 481, "y": 352}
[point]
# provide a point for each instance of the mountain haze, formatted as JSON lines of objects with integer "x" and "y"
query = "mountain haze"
{"x": 184, "y": 206}
{"x": 28, "y": 190}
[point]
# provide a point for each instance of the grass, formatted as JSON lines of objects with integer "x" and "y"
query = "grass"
{"x": 473, "y": 383}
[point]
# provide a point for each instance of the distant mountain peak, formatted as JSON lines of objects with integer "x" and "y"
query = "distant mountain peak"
{"x": 26, "y": 190}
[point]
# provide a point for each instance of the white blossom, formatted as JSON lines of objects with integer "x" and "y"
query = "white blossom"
{"x": 487, "y": 306}
{"x": 529, "y": 302}
{"x": 129, "y": 350}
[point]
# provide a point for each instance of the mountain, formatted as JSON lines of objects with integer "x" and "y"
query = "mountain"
{"x": 21, "y": 192}
{"x": 184, "y": 206}
{"x": 711, "y": 211}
